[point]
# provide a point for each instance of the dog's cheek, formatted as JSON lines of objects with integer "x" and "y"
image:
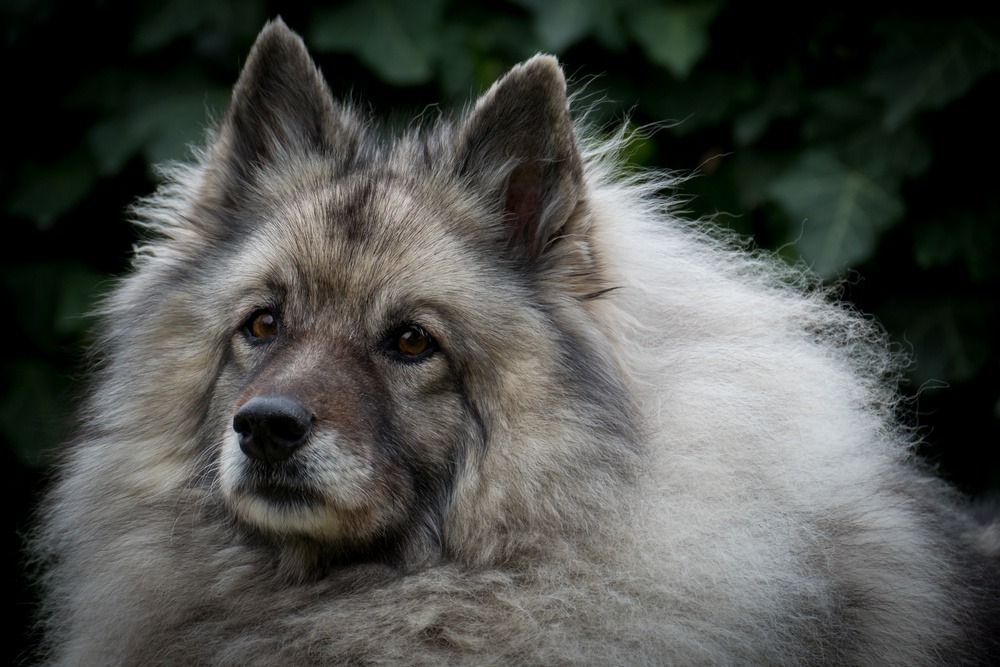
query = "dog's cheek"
{"x": 435, "y": 429}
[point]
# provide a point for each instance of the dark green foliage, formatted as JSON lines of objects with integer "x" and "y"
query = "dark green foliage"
{"x": 855, "y": 146}
{"x": 859, "y": 145}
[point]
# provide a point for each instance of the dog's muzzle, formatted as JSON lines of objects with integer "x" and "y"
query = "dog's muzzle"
{"x": 272, "y": 428}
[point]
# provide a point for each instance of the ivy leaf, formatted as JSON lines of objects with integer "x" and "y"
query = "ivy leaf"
{"x": 887, "y": 155}
{"x": 21, "y": 17}
{"x": 693, "y": 105}
{"x": 395, "y": 38}
{"x": 456, "y": 74}
{"x": 949, "y": 336}
{"x": 78, "y": 290}
{"x": 842, "y": 210}
{"x": 46, "y": 193}
{"x": 780, "y": 100}
{"x": 33, "y": 414}
{"x": 52, "y": 299}
{"x": 674, "y": 36}
{"x": 842, "y": 102}
{"x": 158, "y": 122}
{"x": 836, "y": 111}
{"x": 163, "y": 22}
{"x": 926, "y": 65}
{"x": 753, "y": 173}
{"x": 963, "y": 239}
{"x": 562, "y": 23}
{"x": 471, "y": 59}
{"x": 843, "y": 119}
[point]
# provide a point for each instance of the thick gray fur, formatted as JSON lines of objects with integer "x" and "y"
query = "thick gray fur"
{"x": 628, "y": 442}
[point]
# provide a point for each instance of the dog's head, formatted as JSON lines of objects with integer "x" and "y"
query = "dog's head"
{"x": 404, "y": 355}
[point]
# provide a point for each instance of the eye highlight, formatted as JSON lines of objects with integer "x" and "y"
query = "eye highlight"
{"x": 262, "y": 325}
{"x": 410, "y": 344}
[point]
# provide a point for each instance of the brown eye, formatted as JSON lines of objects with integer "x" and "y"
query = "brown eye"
{"x": 411, "y": 343}
{"x": 262, "y": 324}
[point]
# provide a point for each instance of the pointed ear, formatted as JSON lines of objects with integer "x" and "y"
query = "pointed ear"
{"x": 518, "y": 146}
{"x": 281, "y": 107}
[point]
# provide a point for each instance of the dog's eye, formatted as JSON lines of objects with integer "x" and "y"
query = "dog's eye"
{"x": 262, "y": 325}
{"x": 411, "y": 343}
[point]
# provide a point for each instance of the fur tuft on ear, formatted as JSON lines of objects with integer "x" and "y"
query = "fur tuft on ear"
{"x": 281, "y": 108}
{"x": 518, "y": 146}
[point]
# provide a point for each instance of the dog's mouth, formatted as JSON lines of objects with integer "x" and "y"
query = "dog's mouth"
{"x": 284, "y": 485}
{"x": 285, "y": 495}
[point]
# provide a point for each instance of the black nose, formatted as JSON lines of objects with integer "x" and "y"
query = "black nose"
{"x": 271, "y": 428}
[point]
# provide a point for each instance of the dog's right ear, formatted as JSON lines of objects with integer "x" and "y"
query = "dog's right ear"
{"x": 281, "y": 109}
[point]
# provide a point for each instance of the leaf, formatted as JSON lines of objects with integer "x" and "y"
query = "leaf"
{"x": 161, "y": 23}
{"x": 562, "y": 23}
{"x": 457, "y": 69}
{"x": 157, "y": 121}
{"x": 753, "y": 173}
{"x": 842, "y": 210}
{"x": 45, "y": 193}
{"x": 842, "y": 102}
{"x": 52, "y": 298}
{"x": 927, "y": 64}
{"x": 472, "y": 55}
{"x": 842, "y": 119}
{"x": 887, "y": 155}
{"x": 102, "y": 90}
{"x": 692, "y": 105}
{"x": 115, "y": 141}
{"x": 963, "y": 238}
{"x": 78, "y": 290}
{"x": 34, "y": 413}
{"x": 20, "y": 17}
{"x": 673, "y": 36}
{"x": 781, "y": 100}
{"x": 836, "y": 111}
{"x": 949, "y": 336}
{"x": 394, "y": 38}
{"x": 179, "y": 121}
{"x": 607, "y": 28}
{"x": 52, "y": 301}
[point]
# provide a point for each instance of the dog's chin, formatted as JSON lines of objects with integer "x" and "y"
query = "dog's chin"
{"x": 293, "y": 511}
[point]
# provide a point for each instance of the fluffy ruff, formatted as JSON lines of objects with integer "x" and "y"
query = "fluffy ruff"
{"x": 628, "y": 441}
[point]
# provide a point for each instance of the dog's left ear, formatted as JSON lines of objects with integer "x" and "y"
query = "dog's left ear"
{"x": 518, "y": 146}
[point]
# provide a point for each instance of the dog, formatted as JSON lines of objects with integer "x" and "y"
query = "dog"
{"x": 476, "y": 395}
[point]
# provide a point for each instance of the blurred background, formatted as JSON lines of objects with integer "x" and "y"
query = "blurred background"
{"x": 858, "y": 140}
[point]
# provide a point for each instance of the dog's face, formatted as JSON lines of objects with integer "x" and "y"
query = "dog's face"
{"x": 383, "y": 301}
{"x": 350, "y": 333}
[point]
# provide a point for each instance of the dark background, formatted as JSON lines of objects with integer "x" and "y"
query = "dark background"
{"x": 860, "y": 140}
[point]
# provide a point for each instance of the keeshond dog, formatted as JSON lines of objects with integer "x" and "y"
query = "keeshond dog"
{"x": 475, "y": 395}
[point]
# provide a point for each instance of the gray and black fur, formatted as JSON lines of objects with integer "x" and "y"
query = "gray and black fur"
{"x": 470, "y": 396}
